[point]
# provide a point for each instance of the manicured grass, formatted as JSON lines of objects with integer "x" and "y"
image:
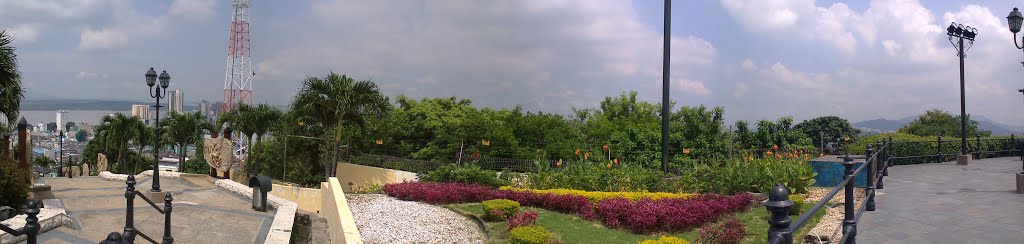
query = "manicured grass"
{"x": 572, "y": 229}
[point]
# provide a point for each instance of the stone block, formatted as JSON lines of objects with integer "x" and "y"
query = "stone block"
{"x": 963, "y": 159}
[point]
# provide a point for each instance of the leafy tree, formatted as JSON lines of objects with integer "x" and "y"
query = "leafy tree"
{"x": 744, "y": 138}
{"x": 828, "y": 128}
{"x": 11, "y": 91}
{"x": 937, "y": 122}
{"x": 43, "y": 161}
{"x": 13, "y": 183}
{"x": 81, "y": 136}
{"x": 118, "y": 131}
{"x": 51, "y": 127}
{"x": 263, "y": 118}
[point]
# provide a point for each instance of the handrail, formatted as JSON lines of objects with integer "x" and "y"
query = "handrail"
{"x": 129, "y": 226}
{"x": 877, "y": 160}
{"x": 31, "y": 228}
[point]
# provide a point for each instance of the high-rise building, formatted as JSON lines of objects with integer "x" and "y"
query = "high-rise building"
{"x": 204, "y": 108}
{"x": 174, "y": 101}
{"x": 61, "y": 116}
{"x": 141, "y": 111}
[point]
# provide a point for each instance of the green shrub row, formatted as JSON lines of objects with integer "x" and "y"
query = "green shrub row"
{"x": 757, "y": 175}
{"x": 606, "y": 177}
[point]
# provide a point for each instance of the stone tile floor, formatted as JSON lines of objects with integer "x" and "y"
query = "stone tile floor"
{"x": 948, "y": 203}
{"x": 203, "y": 212}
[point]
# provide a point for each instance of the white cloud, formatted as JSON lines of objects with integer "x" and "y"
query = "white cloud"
{"x": 128, "y": 26}
{"x": 748, "y": 65}
{"x": 767, "y": 15}
{"x": 891, "y": 47}
{"x": 194, "y": 9}
{"x": 84, "y": 75}
{"x": 23, "y": 34}
{"x": 741, "y": 90}
{"x": 690, "y": 86}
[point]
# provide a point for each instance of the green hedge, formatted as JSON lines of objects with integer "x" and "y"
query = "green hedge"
{"x": 911, "y": 145}
{"x": 470, "y": 174}
{"x": 507, "y": 208}
{"x": 529, "y": 235}
{"x": 13, "y": 183}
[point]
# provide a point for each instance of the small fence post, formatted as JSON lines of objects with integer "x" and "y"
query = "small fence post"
{"x": 849, "y": 222}
{"x": 32, "y": 221}
{"x": 778, "y": 205}
{"x": 888, "y": 162}
{"x": 938, "y": 153}
{"x": 129, "y": 217}
{"x": 977, "y": 147}
{"x": 167, "y": 219}
{"x": 869, "y": 191}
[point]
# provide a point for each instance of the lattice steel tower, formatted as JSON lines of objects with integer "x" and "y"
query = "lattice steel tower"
{"x": 238, "y": 74}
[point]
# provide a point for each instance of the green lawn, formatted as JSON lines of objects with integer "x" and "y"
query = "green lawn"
{"x": 572, "y": 229}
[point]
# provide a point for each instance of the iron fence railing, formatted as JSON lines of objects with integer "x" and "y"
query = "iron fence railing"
{"x": 129, "y": 227}
{"x": 31, "y": 228}
{"x": 877, "y": 158}
{"x": 942, "y": 150}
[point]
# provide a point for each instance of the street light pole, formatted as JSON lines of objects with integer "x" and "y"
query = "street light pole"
{"x": 63, "y": 135}
{"x": 1014, "y": 21}
{"x": 961, "y": 33}
{"x": 665, "y": 85}
{"x": 165, "y": 80}
{"x": 60, "y": 155}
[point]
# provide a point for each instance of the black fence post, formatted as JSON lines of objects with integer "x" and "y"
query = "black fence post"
{"x": 938, "y": 151}
{"x": 778, "y": 205}
{"x": 32, "y": 221}
{"x": 977, "y": 148}
{"x": 849, "y": 222}
{"x": 167, "y": 219}
{"x": 114, "y": 238}
{"x": 888, "y": 163}
{"x": 872, "y": 166}
{"x": 129, "y": 217}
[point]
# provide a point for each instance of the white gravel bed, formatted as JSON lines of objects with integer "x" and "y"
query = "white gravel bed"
{"x": 383, "y": 219}
{"x": 828, "y": 228}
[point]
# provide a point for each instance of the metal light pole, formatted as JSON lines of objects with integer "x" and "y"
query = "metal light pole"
{"x": 961, "y": 32}
{"x": 1014, "y": 21}
{"x": 60, "y": 155}
{"x": 64, "y": 135}
{"x": 665, "y": 85}
{"x": 165, "y": 80}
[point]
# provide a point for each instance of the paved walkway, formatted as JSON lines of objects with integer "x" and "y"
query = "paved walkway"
{"x": 203, "y": 212}
{"x": 948, "y": 203}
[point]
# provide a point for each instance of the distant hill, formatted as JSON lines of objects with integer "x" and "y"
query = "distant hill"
{"x": 886, "y": 125}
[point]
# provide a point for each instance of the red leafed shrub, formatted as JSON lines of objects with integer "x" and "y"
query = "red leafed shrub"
{"x": 439, "y": 193}
{"x": 668, "y": 215}
{"x": 524, "y": 218}
{"x": 641, "y": 216}
{"x": 730, "y": 232}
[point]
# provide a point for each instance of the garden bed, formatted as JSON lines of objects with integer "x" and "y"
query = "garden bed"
{"x": 384, "y": 219}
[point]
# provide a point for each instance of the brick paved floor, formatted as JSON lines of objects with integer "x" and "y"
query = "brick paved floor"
{"x": 948, "y": 203}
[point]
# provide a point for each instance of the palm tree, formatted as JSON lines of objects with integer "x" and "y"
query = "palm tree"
{"x": 10, "y": 83}
{"x": 339, "y": 100}
{"x": 263, "y": 117}
{"x": 183, "y": 130}
{"x": 119, "y": 130}
{"x": 241, "y": 120}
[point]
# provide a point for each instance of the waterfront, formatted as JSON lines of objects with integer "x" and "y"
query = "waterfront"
{"x": 78, "y": 116}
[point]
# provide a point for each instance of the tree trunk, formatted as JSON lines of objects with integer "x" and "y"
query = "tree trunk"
{"x": 337, "y": 139}
{"x": 181, "y": 157}
{"x": 248, "y": 157}
{"x": 327, "y": 154}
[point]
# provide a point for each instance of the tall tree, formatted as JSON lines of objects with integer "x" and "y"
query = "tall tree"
{"x": 119, "y": 130}
{"x": 937, "y": 122}
{"x": 10, "y": 83}
{"x": 183, "y": 130}
{"x": 340, "y": 101}
{"x": 264, "y": 117}
{"x": 827, "y": 128}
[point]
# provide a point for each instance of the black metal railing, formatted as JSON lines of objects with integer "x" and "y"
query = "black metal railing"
{"x": 877, "y": 160}
{"x": 31, "y": 228}
{"x": 942, "y": 150}
{"x": 129, "y": 226}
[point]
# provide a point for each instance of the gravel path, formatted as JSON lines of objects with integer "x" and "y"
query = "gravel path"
{"x": 830, "y": 224}
{"x": 383, "y": 219}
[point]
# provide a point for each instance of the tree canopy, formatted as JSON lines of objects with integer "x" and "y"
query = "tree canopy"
{"x": 938, "y": 122}
{"x": 827, "y": 128}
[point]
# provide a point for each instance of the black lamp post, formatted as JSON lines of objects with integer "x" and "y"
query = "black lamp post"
{"x": 961, "y": 32}
{"x": 60, "y": 155}
{"x": 63, "y": 135}
{"x": 165, "y": 80}
{"x": 1014, "y": 20}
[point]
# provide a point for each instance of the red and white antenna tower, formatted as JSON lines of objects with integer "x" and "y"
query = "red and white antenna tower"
{"x": 238, "y": 75}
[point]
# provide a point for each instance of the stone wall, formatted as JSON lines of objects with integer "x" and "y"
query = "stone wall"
{"x": 354, "y": 177}
{"x": 281, "y": 228}
{"x": 340, "y": 223}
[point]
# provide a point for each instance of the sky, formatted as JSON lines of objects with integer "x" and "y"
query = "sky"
{"x": 760, "y": 59}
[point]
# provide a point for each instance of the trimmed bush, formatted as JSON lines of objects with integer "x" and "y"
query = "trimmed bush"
{"x": 471, "y": 174}
{"x": 597, "y": 196}
{"x": 439, "y": 193}
{"x": 524, "y": 218}
{"x": 666, "y": 240}
{"x": 499, "y": 209}
{"x": 529, "y": 235}
{"x": 798, "y": 203}
{"x": 13, "y": 183}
